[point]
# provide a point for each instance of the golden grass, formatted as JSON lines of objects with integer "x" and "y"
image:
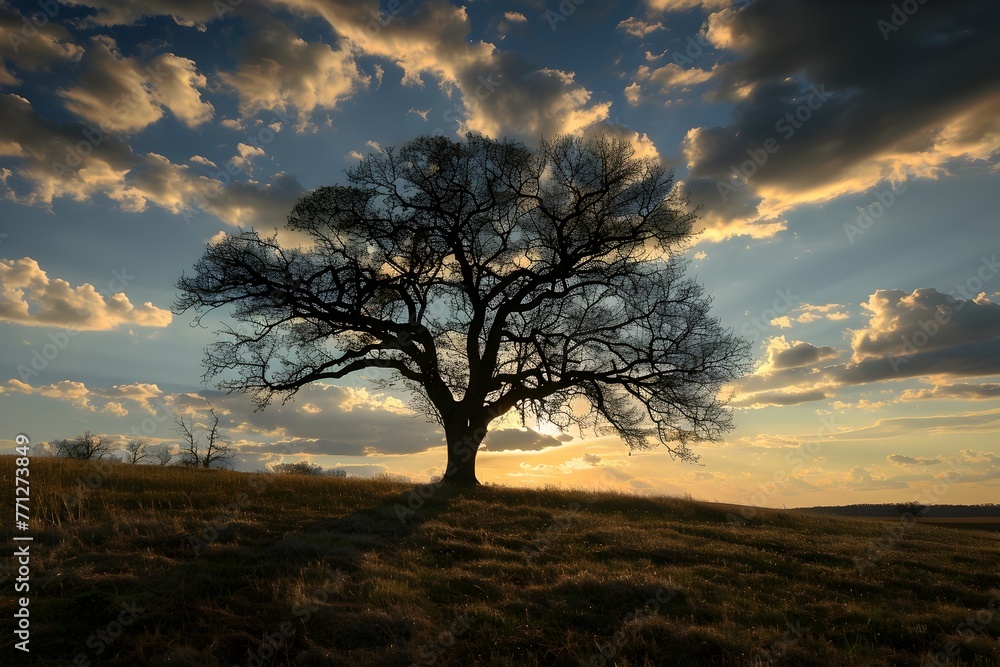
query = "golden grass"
{"x": 243, "y": 569}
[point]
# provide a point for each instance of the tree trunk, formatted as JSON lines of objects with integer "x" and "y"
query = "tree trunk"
{"x": 464, "y": 436}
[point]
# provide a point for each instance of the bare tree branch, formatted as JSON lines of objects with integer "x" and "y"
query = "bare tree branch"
{"x": 485, "y": 277}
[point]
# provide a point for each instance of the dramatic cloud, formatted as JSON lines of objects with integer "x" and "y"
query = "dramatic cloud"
{"x": 79, "y": 162}
{"x": 54, "y": 160}
{"x": 914, "y": 101}
{"x": 500, "y": 93}
{"x": 919, "y": 334}
{"x": 279, "y": 70}
{"x": 32, "y": 299}
{"x": 902, "y": 324}
{"x": 121, "y": 94}
{"x": 125, "y": 12}
{"x": 784, "y": 354}
{"x": 48, "y": 44}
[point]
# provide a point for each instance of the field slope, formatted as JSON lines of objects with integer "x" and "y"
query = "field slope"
{"x": 144, "y": 565}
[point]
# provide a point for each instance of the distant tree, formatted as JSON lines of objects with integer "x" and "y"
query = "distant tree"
{"x": 164, "y": 455}
{"x": 485, "y": 277}
{"x": 336, "y": 472}
{"x": 136, "y": 450}
{"x": 910, "y": 510}
{"x": 205, "y": 454}
{"x": 85, "y": 446}
{"x": 299, "y": 468}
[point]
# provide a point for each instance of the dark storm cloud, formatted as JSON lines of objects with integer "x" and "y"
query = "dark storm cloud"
{"x": 506, "y": 440}
{"x": 866, "y": 103}
{"x": 908, "y": 335}
{"x": 802, "y": 354}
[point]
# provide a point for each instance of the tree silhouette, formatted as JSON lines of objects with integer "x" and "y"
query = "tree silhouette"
{"x": 136, "y": 450}
{"x": 203, "y": 455}
{"x": 485, "y": 277}
{"x": 86, "y": 446}
{"x": 164, "y": 455}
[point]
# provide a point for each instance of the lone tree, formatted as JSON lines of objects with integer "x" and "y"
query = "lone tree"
{"x": 85, "y": 446}
{"x": 485, "y": 277}
{"x": 196, "y": 454}
{"x": 164, "y": 455}
{"x": 136, "y": 450}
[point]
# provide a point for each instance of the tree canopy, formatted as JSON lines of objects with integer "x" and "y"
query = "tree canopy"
{"x": 485, "y": 277}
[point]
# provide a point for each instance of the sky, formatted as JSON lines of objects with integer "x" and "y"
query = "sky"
{"x": 842, "y": 156}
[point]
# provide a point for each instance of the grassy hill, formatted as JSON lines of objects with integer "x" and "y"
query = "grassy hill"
{"x": 143, "y": 565}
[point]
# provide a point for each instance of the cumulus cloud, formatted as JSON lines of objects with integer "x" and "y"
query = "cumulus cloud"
{"x": 141, "y": 393}
{"x": 922, "y": 322}
{"x": 672, "y": 77}
{"x": 245, "y": 155}
{"x": 79, "y": 162}
{"x": 279, "y": 70}
{"x": 117, "y": 93}
{"x": 51, "y": 43}
{"x": 499, "y": 92}
{"x": 75, "y": 393}
{"x": 48, "y": 163}
{"x": 805, "y": 313}
{"x": 114, "y": 400}
{"x": 31, "y": 298}
{"x": 641, "y": 143}
{"x": 126, "y": 12}
{"x": 633, "y": 93}
{"x": 919, "y": 334}
{"x": 915, "y": 105}
{"x": 789, "y": 354}
{"x": 639, "y": 28}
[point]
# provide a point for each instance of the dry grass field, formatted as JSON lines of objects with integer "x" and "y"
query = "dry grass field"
{"x": 145, "y": 565}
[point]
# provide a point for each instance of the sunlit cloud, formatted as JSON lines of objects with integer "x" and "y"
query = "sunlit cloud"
{"x": 31, "y": 298}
